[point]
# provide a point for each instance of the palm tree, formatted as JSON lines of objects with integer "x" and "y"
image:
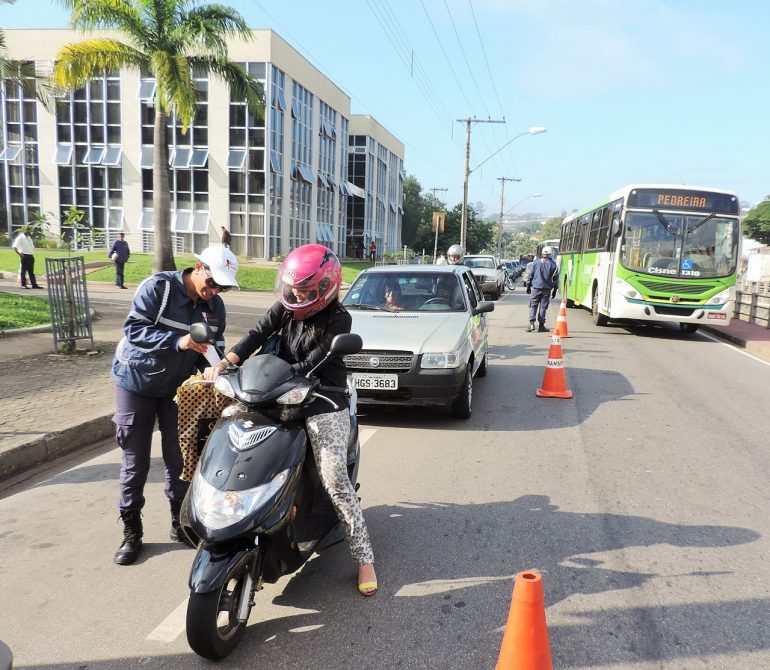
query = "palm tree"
{"x": 22, "y": 72}
{"x": 169, "y": 39}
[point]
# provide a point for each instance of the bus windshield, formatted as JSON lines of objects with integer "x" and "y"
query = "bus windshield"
{"x": 680, "y": 245}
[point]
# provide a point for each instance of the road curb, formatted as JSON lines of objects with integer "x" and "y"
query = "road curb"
{"x": 51, "y": 446}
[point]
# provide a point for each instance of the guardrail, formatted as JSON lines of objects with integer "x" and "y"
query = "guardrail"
{"x": 752, "y": 304}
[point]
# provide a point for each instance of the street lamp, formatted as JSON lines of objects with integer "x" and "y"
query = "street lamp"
{"x": 535, "y": 130}
{"x": 500, "y": 229}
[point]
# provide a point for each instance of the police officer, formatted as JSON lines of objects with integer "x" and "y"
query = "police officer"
{"x": 154, "y": 357}
{"x": 541, "y": 284}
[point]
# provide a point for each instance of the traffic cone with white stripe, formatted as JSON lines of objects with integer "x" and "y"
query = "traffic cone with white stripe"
{"x": 555, "y": 378}
{"x": 561, "y": 320}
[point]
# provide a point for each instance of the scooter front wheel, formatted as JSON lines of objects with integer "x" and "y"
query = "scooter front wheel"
{"x": 213, "y": 629}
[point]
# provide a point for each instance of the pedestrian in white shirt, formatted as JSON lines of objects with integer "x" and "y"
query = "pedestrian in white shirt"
{"x": 24, "y": 246}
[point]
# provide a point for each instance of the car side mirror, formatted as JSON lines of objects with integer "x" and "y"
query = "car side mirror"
{"x": 615, "y": 228}
{"x": 482, "y": 307}
{"x": 201, "y": 333}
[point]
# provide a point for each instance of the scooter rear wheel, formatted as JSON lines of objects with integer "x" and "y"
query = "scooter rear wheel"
{"x": 213, "y": 629}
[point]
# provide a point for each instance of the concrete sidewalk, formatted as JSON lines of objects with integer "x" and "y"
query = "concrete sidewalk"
{"x": 53, "y": 404}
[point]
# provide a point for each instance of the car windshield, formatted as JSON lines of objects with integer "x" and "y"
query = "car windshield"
{"x": 486, "y": 263}
{"x": 404, "y": 291}
{"x": 680, "y": 245}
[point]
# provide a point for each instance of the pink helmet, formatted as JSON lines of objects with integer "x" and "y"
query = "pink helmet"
{"x": 315, "y": 273}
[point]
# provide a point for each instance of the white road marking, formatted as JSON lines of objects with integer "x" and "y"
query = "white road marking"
{"x": 434, "y": 586}
{"x": 734, "y": 347}
{"x": 169, "y": 629}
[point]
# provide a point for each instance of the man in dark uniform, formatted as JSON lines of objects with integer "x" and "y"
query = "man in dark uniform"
{"x": 541, "y": 284}
{"x": 154, "y": 357}
{"x": 119, "y": 253}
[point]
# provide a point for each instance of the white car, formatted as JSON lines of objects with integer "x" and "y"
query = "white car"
{"x": 489, "y": 271}
{"x": 425, "y": 335}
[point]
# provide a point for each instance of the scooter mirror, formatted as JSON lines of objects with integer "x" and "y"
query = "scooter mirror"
{"x": 201, "y": 333}
{"x": 346, "y": 343}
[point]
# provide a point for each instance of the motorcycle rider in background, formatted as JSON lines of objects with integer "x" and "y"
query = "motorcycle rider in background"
{"x": 455, "y": 254}
{"x": 308, "y": 315}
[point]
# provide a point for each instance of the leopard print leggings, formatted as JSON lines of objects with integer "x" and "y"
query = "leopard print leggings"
{"x": 329, "y": 435}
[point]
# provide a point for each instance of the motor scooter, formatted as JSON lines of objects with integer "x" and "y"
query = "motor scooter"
{"x": 256, "y": 505}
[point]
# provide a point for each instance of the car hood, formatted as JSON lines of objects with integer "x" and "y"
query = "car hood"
{"x": 417, "y": 332}
{"x": 485, "y": 273}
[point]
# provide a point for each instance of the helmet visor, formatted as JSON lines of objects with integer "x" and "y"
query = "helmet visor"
{"x": 298, "y": 296}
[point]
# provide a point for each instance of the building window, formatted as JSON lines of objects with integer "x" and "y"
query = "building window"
{"x": 88, "y": 153}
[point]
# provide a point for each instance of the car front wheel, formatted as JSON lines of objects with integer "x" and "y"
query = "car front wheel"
{"x": 462, "y": 405}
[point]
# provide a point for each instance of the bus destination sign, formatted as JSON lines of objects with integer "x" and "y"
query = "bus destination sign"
{"x": 703, "y": 201}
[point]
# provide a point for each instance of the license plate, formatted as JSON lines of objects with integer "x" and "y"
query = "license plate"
{"x": 370, "y": 382}
{"x": 716, "y": 315}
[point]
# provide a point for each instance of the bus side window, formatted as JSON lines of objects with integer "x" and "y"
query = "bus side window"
{"x": 604, "y": 228}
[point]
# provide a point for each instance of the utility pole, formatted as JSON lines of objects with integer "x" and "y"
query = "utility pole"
{"x": 464, "y": 218}
{"x": 435, "y": 237}
{"x": 502, "y": 181}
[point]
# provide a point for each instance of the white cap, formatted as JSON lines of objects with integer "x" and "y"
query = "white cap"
{"x": 222, "y": 263}
{"x": 547, "y": 250}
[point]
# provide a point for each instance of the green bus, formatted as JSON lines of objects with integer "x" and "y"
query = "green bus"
{"x": 654, "y": 252}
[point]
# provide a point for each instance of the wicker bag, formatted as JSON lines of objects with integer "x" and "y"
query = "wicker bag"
{"x": 199, "y": 408}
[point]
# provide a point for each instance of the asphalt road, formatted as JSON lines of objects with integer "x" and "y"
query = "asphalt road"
{"x": 643, "y": 501}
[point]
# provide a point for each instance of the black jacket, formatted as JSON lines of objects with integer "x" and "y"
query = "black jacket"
{"x": 304, "y": 344}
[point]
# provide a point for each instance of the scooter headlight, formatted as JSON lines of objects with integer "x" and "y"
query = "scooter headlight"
{"x": 220, "y": 509}
{"x": 223, "y": 385}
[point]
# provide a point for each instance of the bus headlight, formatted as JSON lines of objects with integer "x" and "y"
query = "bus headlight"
{"x": 720, "y": 298}
{"x": 627, "y": 291}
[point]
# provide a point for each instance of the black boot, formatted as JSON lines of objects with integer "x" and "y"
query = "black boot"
{"x": 531, "y": 328}
{"x": 128, "y": 552}
{"x": 543, "y": 329}
{"x": 176, "y": 533}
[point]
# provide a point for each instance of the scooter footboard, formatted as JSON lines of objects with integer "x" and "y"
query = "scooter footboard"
{"x": 211, "y": 566}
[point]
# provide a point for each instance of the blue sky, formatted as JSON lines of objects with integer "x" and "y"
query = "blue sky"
{"x": 631, "y": 91}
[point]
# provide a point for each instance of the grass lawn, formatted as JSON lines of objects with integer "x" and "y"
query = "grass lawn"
{"x": 22, "y": 311}
{"x": 250, "y": 277}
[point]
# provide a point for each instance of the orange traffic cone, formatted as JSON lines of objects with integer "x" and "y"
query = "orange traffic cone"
{"x": 555, "y": 377}
{"x": 525, "y": 641}
{"x": 561, "y": 320}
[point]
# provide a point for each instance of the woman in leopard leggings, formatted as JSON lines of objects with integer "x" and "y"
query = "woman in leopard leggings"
{"x": 308, "y": 315}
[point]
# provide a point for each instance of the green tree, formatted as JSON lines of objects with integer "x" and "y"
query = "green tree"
{"x": 480, "y": 234}
{"x": 169, "y": 39}
{"x": 551, "y": 229}
{"x": 416, "y": 207}
{"x": 22, "y": 72}
{"x": 756, "y": 225}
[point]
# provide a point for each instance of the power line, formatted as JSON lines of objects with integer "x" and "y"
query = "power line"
{"x": 484, "y": 51}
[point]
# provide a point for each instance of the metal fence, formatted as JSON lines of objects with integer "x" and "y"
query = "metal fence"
{"x": 68, "y": 299}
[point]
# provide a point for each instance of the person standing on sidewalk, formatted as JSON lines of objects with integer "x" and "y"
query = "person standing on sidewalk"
{"x": 154, "y": 357}
{"x": 25, "y": 248}
{"x": 541, "y": 285}
{"x": 119, "y": 253}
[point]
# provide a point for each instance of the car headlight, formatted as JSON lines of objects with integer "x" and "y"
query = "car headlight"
{"x": 295, "y": 396}
{"x": 223, "y": 385}
{"x": 449, "y": 359}
{"x": 720, "y": 298}
{"x": 626, "y": 289}
{"x": 220, "y": 509}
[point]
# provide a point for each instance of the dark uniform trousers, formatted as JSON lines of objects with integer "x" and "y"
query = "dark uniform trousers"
{"x": 134, "y": 421}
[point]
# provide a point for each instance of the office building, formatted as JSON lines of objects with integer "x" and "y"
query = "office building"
{"x": 276, "y": 181}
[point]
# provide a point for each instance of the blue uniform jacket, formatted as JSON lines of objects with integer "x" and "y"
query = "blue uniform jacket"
{"x": 544, "y": 274}
{"x": 121, "y": 248}
{"x": 147, "y": 360}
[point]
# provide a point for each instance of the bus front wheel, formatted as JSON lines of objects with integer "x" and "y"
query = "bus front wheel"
{"x": 599, "y": 318}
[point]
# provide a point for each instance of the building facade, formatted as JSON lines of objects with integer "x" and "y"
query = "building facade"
{"x": 275, "y": 181}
